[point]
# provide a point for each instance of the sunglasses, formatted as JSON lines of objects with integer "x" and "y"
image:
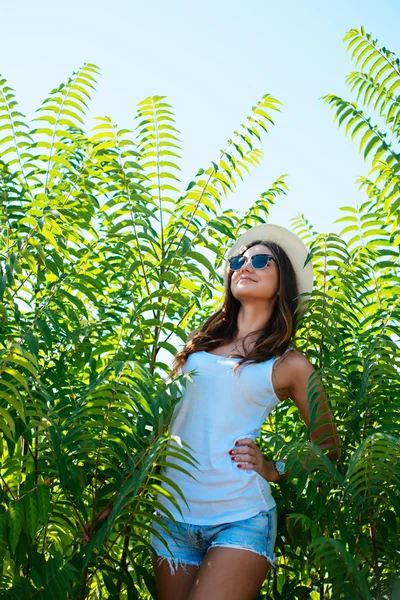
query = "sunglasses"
{"x": 258, "y": 261}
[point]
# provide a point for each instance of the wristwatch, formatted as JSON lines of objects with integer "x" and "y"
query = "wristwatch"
{"x": 279, "y": 466}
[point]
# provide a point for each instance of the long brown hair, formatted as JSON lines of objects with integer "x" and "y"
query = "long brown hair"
{"x": 221, "y": 327}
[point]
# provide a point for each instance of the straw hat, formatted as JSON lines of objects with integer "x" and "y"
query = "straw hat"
{"x": 293, "y": 246}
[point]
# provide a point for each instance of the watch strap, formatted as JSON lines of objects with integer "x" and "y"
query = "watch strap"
{"x": 275, "y": 467}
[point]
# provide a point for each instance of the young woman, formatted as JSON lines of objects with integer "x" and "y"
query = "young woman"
{"x": 243, "y": 364}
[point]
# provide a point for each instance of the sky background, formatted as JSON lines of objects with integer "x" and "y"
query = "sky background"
{"x": 213, "y": 60}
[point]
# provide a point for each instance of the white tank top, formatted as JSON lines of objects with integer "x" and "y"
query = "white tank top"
{"x": 217, "y": 408}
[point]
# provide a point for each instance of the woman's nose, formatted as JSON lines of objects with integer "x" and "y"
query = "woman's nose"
{"x": 246, "y": 265}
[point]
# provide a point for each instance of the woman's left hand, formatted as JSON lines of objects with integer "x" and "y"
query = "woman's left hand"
{"x": 247, "y": 456}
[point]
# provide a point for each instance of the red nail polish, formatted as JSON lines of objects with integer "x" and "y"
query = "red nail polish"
{"x": 233, "y": 458}
{"x": 239, "y": 466}
{"x": 230, "y": 451}
{"x": 236, "y": 443}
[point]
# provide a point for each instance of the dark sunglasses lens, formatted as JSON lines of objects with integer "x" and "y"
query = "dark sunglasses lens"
{"x": 237, "y": 263}
{"x": 259, "y": 262}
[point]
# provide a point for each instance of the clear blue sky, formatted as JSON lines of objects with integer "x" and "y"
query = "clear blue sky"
{"x": 214, "y": 60}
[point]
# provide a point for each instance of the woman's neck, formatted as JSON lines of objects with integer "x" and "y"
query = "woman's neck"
{"x": 251, "y": 318}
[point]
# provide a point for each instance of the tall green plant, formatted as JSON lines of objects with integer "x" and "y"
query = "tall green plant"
{"x": 339, "y": 527}
{"x": 103, "y": 260}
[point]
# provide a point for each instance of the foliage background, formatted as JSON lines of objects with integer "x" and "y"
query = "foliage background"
{"x": 104, "y": 258}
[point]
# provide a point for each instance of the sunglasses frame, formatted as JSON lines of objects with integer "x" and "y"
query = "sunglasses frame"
{"x": 270, "y": 257}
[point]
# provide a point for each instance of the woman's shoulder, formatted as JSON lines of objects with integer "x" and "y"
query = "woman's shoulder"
{"x": 293, "y": 357}
{"x": 287, "y": 368}
{"x": 291, "y": 362}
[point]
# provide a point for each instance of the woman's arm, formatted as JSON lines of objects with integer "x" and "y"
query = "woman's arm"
{"x": 299, "y": 369}
{"x": 291, "y": 377}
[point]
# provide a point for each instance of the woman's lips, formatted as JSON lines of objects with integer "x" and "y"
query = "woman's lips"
{"x": 246, "y": 279}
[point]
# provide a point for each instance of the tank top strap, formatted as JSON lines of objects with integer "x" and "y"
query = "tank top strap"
{"x": 274, "y": 362}
{"x": 276, "y": 358}
{"x": 288, "y": 349}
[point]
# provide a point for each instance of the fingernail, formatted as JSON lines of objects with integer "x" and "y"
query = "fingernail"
{"x": 233, "y": 457}
{"x": 236, "y": 443}
{"x": 239, "y": 466}
{"x": 230, "y": 451}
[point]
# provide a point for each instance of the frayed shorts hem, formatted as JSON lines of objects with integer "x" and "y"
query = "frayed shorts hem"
{"x": 270, "y": 560}
{"x": 188, "y": 544}
{"x": 174, "y": 563}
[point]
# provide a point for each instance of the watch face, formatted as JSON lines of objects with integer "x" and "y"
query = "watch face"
{"x": 280, "y": 465}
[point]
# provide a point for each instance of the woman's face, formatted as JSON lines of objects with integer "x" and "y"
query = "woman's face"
{"x": 258, "y": 284}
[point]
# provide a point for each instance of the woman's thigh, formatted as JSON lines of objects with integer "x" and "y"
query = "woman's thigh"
{"x": 174, "y": 586}
{"x": 234, "y": 558}
{"x": 175, "y": 567}
{"x": 229, "y": 574}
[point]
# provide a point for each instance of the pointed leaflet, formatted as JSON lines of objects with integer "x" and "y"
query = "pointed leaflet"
{"x": 32, "y": 513}
{"x": 43, "y": 497}
{"x": 16, "y": 518}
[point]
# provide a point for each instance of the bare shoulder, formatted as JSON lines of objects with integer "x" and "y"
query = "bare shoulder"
{"x": 290, "y": 367}
{"x": 295, "y": 360}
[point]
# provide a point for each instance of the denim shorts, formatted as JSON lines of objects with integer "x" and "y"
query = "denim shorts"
{"x": 189, "y": 543}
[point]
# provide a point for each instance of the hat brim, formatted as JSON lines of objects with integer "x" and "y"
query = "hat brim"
{"x": 296, "y": 250}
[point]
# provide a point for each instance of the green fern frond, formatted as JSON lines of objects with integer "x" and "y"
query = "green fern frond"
{"x": 159, "y": 147}
{"x": 259, "y": 211}
{"x": 219, "y": 179}
{"x": 344, "y": 574}
{"x": 373, "y": 471}
{"x": 15, "y": 139}
{"x": 365, "y": 50}
{"x": 385, "y": 101}
{"x": 304, "y": 229}
{"x": 358, "y": 122}
{"x": 61, "y": 114}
